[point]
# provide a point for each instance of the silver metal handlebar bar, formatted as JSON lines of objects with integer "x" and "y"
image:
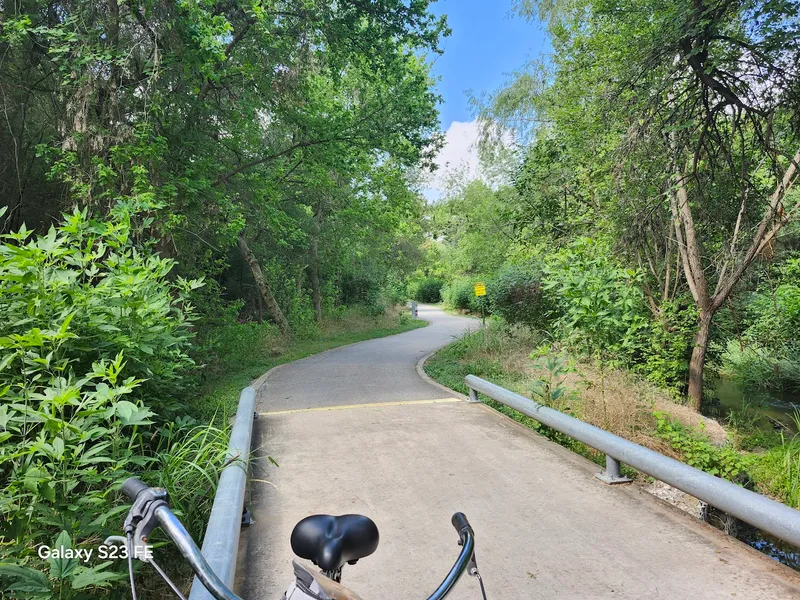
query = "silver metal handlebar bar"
{"x": 178, "y": 534}
{"x": 141, "y": 519}
{"x": 467, "y": 555}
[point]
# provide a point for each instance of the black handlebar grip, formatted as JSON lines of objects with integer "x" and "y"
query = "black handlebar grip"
{"x": 132, "y": 486}
{"x": 460, "y": 522}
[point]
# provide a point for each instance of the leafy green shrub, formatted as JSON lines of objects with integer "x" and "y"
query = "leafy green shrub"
{"x": 516, "y": 294}
{"x": 459, "y": 294}
{"x": 233, "y": 343}
{"x": 755, "y": 366}
{"x": 427, "y": 289}
{"x": 65, "y": 577}
{"x": 667, "y": 347}
{"x": 777, "y": 472}
{"x": 114, "y": 297}
{"x": 65, "y": 440}
{"x": 392, "y": 292}
{"x": 302, "y": 318}
{"x": 358, "y": 288}
{"x": 722, "y": 461}
{"x": 81, "y": 306}
{"x": 769, "y": 353}
{"x": 774, "y": 316}
{"x": 601, "y": 307}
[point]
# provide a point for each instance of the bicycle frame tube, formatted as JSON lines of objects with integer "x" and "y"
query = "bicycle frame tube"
{"x": 178, "y": 534}
{"x": 458, "y": 568}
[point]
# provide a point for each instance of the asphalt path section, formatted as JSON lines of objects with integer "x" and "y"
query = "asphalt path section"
{"x": 357, "y": 430}
{"x": 379, "y": 370}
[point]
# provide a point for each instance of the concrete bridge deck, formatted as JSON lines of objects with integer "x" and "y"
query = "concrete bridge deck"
{"x": 357, "y": 430}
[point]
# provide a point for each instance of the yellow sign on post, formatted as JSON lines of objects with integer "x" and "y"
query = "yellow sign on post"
{"x": 480, "y": 288}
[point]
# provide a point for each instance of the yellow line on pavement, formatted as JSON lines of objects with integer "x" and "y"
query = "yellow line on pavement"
{"x": 352, "y": 406}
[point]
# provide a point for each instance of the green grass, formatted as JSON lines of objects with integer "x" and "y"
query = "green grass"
{"x": 247, "y": 350}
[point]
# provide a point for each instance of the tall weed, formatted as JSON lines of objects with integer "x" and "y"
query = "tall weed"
{"x": 91, "y": 326}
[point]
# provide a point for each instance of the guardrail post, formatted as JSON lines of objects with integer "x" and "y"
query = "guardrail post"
{"x": 473, "y": 395}
{"x": 613, "y": 472}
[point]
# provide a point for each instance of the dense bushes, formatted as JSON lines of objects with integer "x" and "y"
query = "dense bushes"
{"x": 357, "y": 288}
{"x": 72, "y": 421}
{"x": 767, "y": 355}
{"x": 517, "y": 295}
{"x": 427, "y": 289}
{"x": 374, "y": 292}
{"x": 581, "y": 296}
{"x": 666, "y": 346}
{"x": 697, "y": 451}
{"x": 601, "y": 306}
{"x": 755, "y": 366}
{"x": 393, "y": 291}
{"x": 87, "y": 277}
{"x": 776, "y": 472}
{"x": 459, "y": 294}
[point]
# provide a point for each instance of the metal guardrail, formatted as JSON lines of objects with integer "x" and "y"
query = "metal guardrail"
{"x": 768, "y": 515}
{"x": 221, "y": 542}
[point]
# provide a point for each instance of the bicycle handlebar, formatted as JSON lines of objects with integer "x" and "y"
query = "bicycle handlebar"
{"x": 178, "y": 534}
{"x": 460, "y": 522}
{"x": 132, "y": 487}
{"x": 159, "y": 512}
{"x": 467, "y": 541}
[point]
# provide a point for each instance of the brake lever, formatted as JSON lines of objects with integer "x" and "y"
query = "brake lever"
{"x": 472, "y": 566}
{"x": 141, "y": 550}
{"x": 139, "y": 524}
{"x": 472, "y": 569}
{"x": 141, "y": 521}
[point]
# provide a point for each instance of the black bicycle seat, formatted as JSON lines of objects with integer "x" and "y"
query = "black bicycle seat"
{"x": 330, "y": 541}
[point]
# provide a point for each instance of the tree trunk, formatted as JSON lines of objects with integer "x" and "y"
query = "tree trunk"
{"x": 263, "y": 287}
{"x": 698, "y": 361}
{"x": 313, "y": 267}
{"x": 313, "y": 272}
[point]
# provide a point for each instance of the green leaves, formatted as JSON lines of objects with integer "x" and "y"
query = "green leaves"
{"x": 130, "y": 414}
{"x": 25, "y": 582}
{"x": 721, "y": 461}
{"x": 88, "y": 317}
{"x": 97, "y": 576}
{"x": 601, "y": 303}
{"x": 65, "y": 573}
{"x": 60, "y": 566}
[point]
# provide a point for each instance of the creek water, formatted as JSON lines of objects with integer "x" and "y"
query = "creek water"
{"x": 772, "y": 409}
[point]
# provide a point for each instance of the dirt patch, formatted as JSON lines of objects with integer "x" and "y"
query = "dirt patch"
{"x": 614, "y": 400}
{"x": 690, "y": 418}
{"x": 624, "y": 404}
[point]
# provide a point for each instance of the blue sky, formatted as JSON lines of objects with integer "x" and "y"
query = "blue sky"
{"x": 487, "y": 44}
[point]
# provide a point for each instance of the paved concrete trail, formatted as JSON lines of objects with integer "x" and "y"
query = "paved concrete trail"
{"x": 412, "y": 455}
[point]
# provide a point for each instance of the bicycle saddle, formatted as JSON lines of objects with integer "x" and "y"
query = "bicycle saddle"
{"x": 330, "y": 541}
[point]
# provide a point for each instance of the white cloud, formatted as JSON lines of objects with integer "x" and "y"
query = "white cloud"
{"x": 459, "y": 154}
{"x": 458, "y": 157}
